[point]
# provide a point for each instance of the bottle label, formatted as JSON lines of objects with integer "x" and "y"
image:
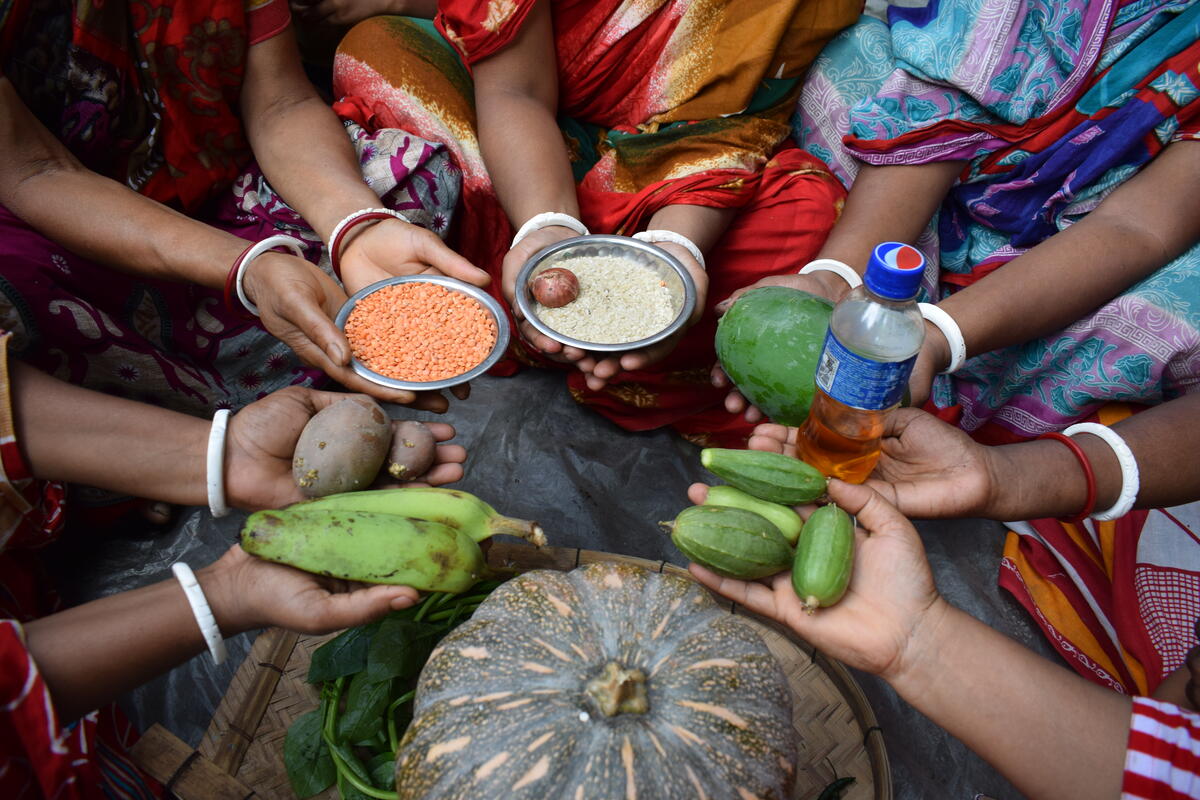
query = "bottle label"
{"x": 854, "y": 380}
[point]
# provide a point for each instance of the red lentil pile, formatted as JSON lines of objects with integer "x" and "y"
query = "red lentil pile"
{"x": 420, "y": 332}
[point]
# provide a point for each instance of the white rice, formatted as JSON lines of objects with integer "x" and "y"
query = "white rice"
{"x": 619, "y": 301}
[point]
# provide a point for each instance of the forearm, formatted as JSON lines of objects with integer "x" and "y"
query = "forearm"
{"x": 1144, "y": 224}
{"x": 73, "y": 434}
{"x": 702, "y": 224}
{"x": 1050, "y": 732}
{"x": 300, "y": 145}
{"x": 516, "y": 98}
{"x": 92, "y": 653}
{"x": 525, "y": 156}
{"x": 1044, "y": 479}
{"x": 888, "y": 204}
{"x": 98, "y": 218}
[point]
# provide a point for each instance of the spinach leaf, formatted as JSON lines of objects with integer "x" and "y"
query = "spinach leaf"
{"x": 345, "y": 654}
{"x": 400, "y": 648}
{"x": 309, "y": 765}
{"x": 365, "y": 703}
{"x": 347, "y": 791}
{"x": 383, "y": 770}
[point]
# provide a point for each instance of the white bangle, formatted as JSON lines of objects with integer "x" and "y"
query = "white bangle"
{"x": 256, "y": 250}
{"x": 215, "y": 472}
{"x": 200, "y": 609}
{"x": 349, "y": 221}
{"x": 1130, "y": 479}
{"x": 545, "y": 220}
{"x": 949, "y": 328}
{"x": 837, "y": 267}
{"x": 673, "y": 238}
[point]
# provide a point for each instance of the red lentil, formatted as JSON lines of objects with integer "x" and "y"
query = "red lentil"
{"x": 420, "y": 332}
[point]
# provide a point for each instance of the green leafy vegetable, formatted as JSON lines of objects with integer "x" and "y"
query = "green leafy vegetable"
{"x": 345, "y": 654}
{"x": 368, "y": 677}
{"x": 365, "y": 703}
{"x": 309, "y": 765}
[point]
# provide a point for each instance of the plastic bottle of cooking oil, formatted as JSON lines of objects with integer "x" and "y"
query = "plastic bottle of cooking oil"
{"x": 874, "y": 336}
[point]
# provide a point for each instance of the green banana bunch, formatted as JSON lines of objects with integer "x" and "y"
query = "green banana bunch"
{"x": 422, "y": 537}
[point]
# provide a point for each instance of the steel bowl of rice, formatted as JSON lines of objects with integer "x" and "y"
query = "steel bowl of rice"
{"x": 423, "y": 332}
{"x": 631, "y": 294}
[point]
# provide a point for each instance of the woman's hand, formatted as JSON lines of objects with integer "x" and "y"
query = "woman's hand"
{"x": 931, "y": 470}
{"x": 599, "y": 371}
{"x": 513, "y": 261}
{"x": 822, "y": 284}
{"x": 927, "y": 468}
{"x": 933, "y": 357}
{"x": 890, "y": 600}
{"x": 392, "y": 247}
{"x": 262, "y": 438}
{"x": 297, "y": 303}
{"x": 248, "y": 593}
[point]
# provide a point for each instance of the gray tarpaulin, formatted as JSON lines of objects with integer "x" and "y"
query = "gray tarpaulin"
{"x": 534, "y": 453}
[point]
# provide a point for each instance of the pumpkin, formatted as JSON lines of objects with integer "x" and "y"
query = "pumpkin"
{"x": 609, "y": 681}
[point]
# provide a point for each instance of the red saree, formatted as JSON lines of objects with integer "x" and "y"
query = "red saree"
{"x": 668, "y": 103}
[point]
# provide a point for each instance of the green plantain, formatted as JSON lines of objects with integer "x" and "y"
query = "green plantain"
{"x": 458, "y": 509}
{"x": 366, "y": 546}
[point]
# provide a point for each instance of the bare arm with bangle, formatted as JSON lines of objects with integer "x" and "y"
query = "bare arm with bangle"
{"x": 930, "y": 469}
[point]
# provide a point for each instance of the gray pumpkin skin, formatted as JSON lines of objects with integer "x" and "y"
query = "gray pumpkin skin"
{"x": 501, "y": 709}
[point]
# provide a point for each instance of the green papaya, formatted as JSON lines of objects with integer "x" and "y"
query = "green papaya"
{"x": 768, "y": 343}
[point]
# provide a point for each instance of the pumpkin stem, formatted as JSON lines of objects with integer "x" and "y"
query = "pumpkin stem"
{"x": 617, "y": 690}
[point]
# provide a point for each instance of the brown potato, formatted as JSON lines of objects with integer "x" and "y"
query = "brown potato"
{"x": 342, "y": 447}
{"x": 413, "y": 450}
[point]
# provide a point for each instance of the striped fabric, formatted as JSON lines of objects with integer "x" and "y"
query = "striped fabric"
{"x": 1162, "y": 760}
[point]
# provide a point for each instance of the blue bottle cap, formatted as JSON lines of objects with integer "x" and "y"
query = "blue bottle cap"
{"x": 894, "y": 271}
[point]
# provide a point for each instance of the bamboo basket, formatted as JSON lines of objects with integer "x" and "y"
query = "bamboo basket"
{"x": 241, "y": 755}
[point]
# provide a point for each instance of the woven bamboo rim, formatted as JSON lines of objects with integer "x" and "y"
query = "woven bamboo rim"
{"x": 837, "y": 730}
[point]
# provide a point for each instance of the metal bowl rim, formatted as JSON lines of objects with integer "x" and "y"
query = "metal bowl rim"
{"x": 526, "y": 309}
{"x": 494, "y": 308}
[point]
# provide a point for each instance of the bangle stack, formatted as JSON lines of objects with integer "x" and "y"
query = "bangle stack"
{"x": 673, "y": 238}
{"x": 836, "y": 267}
{"x": 215, "y": 464}
{"x": 545, "y": 220}
{"x": 1130, "y": 480}
{"x": 351, "y": 221}
{"x": 1089, "y": 503}
{"x": 237, "y": 272}
{"x": 202, "y": 612}
{"x": 949, "y": 328}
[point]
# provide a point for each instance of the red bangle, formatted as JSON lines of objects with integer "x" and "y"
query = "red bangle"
{"x": 1089, "y": 504}
{"x": 346, "y": 225}
{"x": 231, "y": 283}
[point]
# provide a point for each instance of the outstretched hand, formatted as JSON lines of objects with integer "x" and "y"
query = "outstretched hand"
{"x": 262, "y": 438}
{"x": 891, "y": 593}
{"x": 392, "y": 247}
{"x": 247, "y": 593}
{"x": 927, "y": 468}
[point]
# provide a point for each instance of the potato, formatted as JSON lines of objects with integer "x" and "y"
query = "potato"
{"x": 342, "y": 447}
{"x": 413, "y": 450}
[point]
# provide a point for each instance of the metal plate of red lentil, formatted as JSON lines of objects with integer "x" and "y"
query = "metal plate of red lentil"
{"x": 632, "y": 294}
{"x": 423, "y": 332}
